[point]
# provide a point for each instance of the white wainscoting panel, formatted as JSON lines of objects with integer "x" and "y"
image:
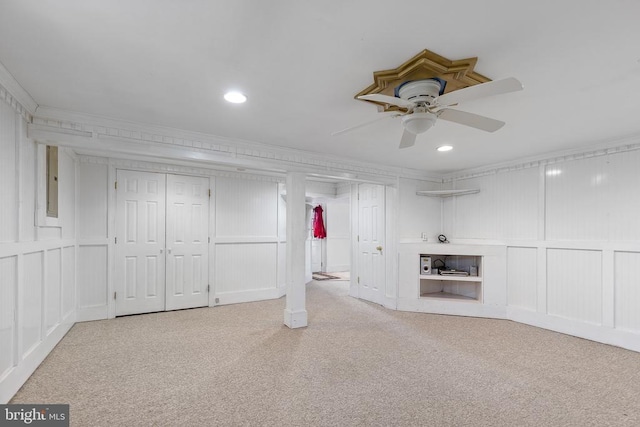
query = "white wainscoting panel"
{"x": 594, "y": 199}
{"x": 246, "y": 207}
{"x": 37, "y": 303}
{"x": 92, "y": 276}
{"x": 418, "y": 214}
{"x": 67, "y": 194}
{"x": 31, "y": 308}
{"x": 92, "y": 200}
{"x": 27, "y": 196}
{"x": 8, "y": 286}
{"x": 574, "y": 284}
{"x": 68, "y": 281}
{"x": 53, "y": 289}
{"x": 505, "y": 207}
{"x": 627, "y": 291}
{"x": 244, "y": 267}
{"x": 8, "y": 211}
{"x": 522, "y": 281}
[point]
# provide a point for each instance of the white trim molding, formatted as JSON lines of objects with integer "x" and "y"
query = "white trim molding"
{"x": 15, "y": 95}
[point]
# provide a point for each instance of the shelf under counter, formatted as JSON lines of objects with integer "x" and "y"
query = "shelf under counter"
{"x": 451, "y": 278}
{"x": 448, "y": 296}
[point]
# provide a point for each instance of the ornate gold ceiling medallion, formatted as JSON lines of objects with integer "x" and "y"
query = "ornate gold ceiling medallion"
{"x": 426, "y": 65}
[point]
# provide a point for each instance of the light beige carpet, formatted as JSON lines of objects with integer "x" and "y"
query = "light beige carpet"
{"x": 355, "y": 364}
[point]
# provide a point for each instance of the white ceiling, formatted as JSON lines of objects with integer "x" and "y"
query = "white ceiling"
{"x": 300, "y": 62}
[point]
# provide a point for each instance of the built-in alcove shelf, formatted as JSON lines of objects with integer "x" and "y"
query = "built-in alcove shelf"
{"x": 449, "y": 296}
{"x": 447, "y": 193}
{"x": 451, "y": 278}
{"x": 456, "y": 287}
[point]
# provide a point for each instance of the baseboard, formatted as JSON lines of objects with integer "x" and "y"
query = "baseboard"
{"x": 225, "y": 298}
{"x": 593, "y": 332}
{"x": 92, "y": 313}
{"x": 11, "y": 382}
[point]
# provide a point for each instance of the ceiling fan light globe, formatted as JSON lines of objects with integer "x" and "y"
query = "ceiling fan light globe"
{"x": 418, "y": 123}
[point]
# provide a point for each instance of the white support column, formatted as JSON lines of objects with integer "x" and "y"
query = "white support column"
{"x": 295, "y": 313}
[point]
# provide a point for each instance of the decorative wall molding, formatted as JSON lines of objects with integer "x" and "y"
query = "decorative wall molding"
{"x": 103, "y": 130}
{"x": 20, "y": 98}
{"x": 13, "y": 102}
{"x": 458, "y": 74}
{"x": 166, "y": 168}
{"x": 613, "y": 146}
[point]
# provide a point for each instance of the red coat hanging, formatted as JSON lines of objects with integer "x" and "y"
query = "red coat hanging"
{"x": 318, "y": 224}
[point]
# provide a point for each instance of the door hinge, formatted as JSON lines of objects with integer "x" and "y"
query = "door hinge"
{"x": 358, "y": 237}
{"x": 208, "y": 239}
{"x": 115, "y": 240}
{"x": 358, "y": 279}
{"x": 114, "y": 295}
{"x": 116, "y": 185}
{"x": 209, "y": 193}
{"x": 208, "y": 288}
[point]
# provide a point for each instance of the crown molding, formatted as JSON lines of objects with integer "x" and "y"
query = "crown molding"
{"x": 149, "y": 166}
{"x": 12, "y": 102}
{"x": 626, "y": 143}
{"x": 9, "y": 84}
{"x": 104, "y": 131}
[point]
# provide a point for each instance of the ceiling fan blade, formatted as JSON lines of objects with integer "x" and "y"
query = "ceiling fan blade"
{"x": 349, "y": 129}
{"x": 496, "y": 87}
{"x": 377, "y": 97}
{"x": 470, "y": 119}
{"x": 408, "y": 139}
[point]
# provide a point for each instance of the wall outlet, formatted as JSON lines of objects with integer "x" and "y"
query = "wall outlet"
{"x": 424, "y": 236}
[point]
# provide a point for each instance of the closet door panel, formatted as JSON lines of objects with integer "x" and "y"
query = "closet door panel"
{"x": 187, "y": 241}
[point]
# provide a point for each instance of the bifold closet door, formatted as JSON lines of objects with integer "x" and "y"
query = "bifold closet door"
{"x": 187, "y": 242}
{"x": 140, "y": 234}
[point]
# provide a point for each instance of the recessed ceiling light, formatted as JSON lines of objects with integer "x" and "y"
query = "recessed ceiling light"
{"x": 235, "y": 97}
{"x": 445, "y": 148}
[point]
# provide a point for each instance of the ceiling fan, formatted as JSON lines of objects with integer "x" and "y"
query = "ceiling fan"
{"x": 424, "y": 101}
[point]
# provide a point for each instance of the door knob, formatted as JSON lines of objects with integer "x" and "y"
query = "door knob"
{"x": 379, "y": 248}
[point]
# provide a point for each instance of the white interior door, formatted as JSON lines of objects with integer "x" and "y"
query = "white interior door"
{"x": 316, "y": 255}
{"x": 371, "y": 264}
{"x": 187, "y": 242}
{"x": 140, "y": 234}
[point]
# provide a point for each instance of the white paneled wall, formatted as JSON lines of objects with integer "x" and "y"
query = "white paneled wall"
{"x": 504, "y": 208}
{"x": 8, "y": 160}
{"x": 575, "y": 293}
{"x": 93, "y": 240}
{"x": 246, "y": 208}
{"x": 37, "y": 264}
{"x": 595, "y": 198}
{"x": 8, "y": 294}
{"x": 522, "y": 277}
{"x": 418, "y": 214}
{"x": 573, "y": 236}
{"x": 627, "y": 291}
{"x": 249, "y": 240}
{"x": 244, "y": 267}
{"x": 92, "y": 279}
